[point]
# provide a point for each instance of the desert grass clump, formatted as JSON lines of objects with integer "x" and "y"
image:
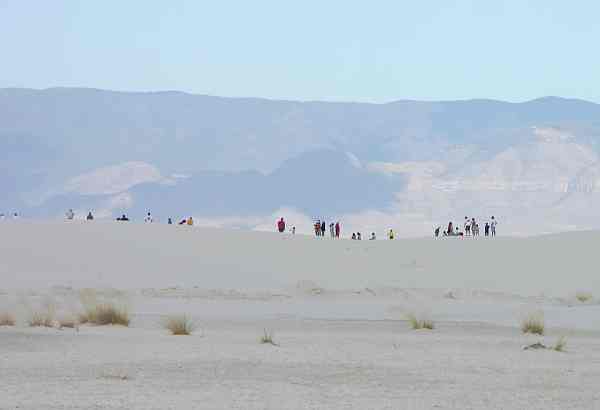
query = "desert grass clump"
{"x": 267, "y": 338}
{"x": 533, "y": 323}
{"x": 40, "y": 319}
{"x": 68, "y": 322}
{"x": 560, "y": 344}
{"x": 583, "y": 297}
{"x": 102, "y": 312}
{"x": 43, "y": 316}
{"x": 416, "y": 323}
{"x": 179, "y": 325}
{"x": 106, "y": 313}
{"x": 7, "y": 319}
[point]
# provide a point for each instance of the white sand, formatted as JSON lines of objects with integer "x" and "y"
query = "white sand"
{"x": 336, "y": 308}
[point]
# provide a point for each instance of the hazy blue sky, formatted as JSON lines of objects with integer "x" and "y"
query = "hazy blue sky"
{"x": 334, "y": 50}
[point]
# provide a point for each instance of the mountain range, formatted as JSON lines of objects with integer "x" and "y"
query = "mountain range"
{"x": 241, "y": 162}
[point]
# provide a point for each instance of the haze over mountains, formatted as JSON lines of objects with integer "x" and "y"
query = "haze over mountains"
{"x": 241, "y": 161}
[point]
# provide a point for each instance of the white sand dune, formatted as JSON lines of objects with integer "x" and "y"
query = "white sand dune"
{"x": 138, "y": 256}
{"x": 335, "y": 306}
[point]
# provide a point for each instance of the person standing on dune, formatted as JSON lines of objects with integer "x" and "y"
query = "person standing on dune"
{"x": 323, "y": 228}
{"x": 337, "y": 229}
{"x": 281, "y": 225}
{"x": 493, "y": 226}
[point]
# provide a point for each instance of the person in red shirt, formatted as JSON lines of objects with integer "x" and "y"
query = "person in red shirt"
{"x": 281, "y": 225}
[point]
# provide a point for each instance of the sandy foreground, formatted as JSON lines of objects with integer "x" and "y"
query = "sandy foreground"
{"x": 337, "y": 311}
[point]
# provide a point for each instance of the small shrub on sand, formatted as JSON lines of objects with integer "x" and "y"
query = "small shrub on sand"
{"x": 106, "y": 313}
{"x": 267, "y": 338}
{"x": 583, "y": 297}
{"x": 416, "y": 323}
{"x": 102, "y": 313}
{"x": 533, "y": 323}
{"x": 179, "y": 325}
{"x": 560, "y": 344}
{"x": 40, "y": 319}
{"x": 7, "y": 319}
{"x": 68, "y": 322}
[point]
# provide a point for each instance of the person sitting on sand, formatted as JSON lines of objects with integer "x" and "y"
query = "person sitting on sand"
{"x": 353, "y": 236}
{"x": 89, "y": 216}
{"x": 190, "y": 221}
{"x": 183, "y": 221}
{"x": 372, "y": 238}
{"x": 123, "y": 218}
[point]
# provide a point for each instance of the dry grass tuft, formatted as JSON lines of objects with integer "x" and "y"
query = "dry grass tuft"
{"x": 179, "y": 325}
{"x": 583, "y": 297}
{"x": 7, "y": 319}
{"x": 533, "y": 323}
{"x": 102, "y": 313}
{"x": 106, "y": 313}
{"x": 68, "y": 322}
{"x": 40, "y": 319}
{"x": 560, "y": 344}
{"x": 44, "y": 316}
{"x": 267, "y": 338}
{"x": 417, "y": 324}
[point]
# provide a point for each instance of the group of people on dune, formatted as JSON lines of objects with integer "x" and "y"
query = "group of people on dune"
{"x": 70, "y": 215}
{"x": 335, "y": 230}
{"x": 470, "y": 228}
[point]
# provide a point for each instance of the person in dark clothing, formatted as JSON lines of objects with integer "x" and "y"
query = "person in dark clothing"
{"x": 437, "y": 231}
{"x": 89, "y": 216}
{"x": 323, "y": 228}
{"x": 358, "y": 237}
{"x": 169, "y": 221}
{"x": 337, "y": 229}
{"x": 353, "y": 236}
{"x": 486, "y": 229}
{"x": 281, "y": 226}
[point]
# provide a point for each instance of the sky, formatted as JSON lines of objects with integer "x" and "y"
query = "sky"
{"x": 375, "y": 51}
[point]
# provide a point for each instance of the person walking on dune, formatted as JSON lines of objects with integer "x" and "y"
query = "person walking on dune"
{"x": 281, "y": 225}
{"x": 493, "y": 226}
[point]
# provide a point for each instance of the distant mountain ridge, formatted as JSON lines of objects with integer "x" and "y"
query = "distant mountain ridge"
{"x": 426, "y": 161}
